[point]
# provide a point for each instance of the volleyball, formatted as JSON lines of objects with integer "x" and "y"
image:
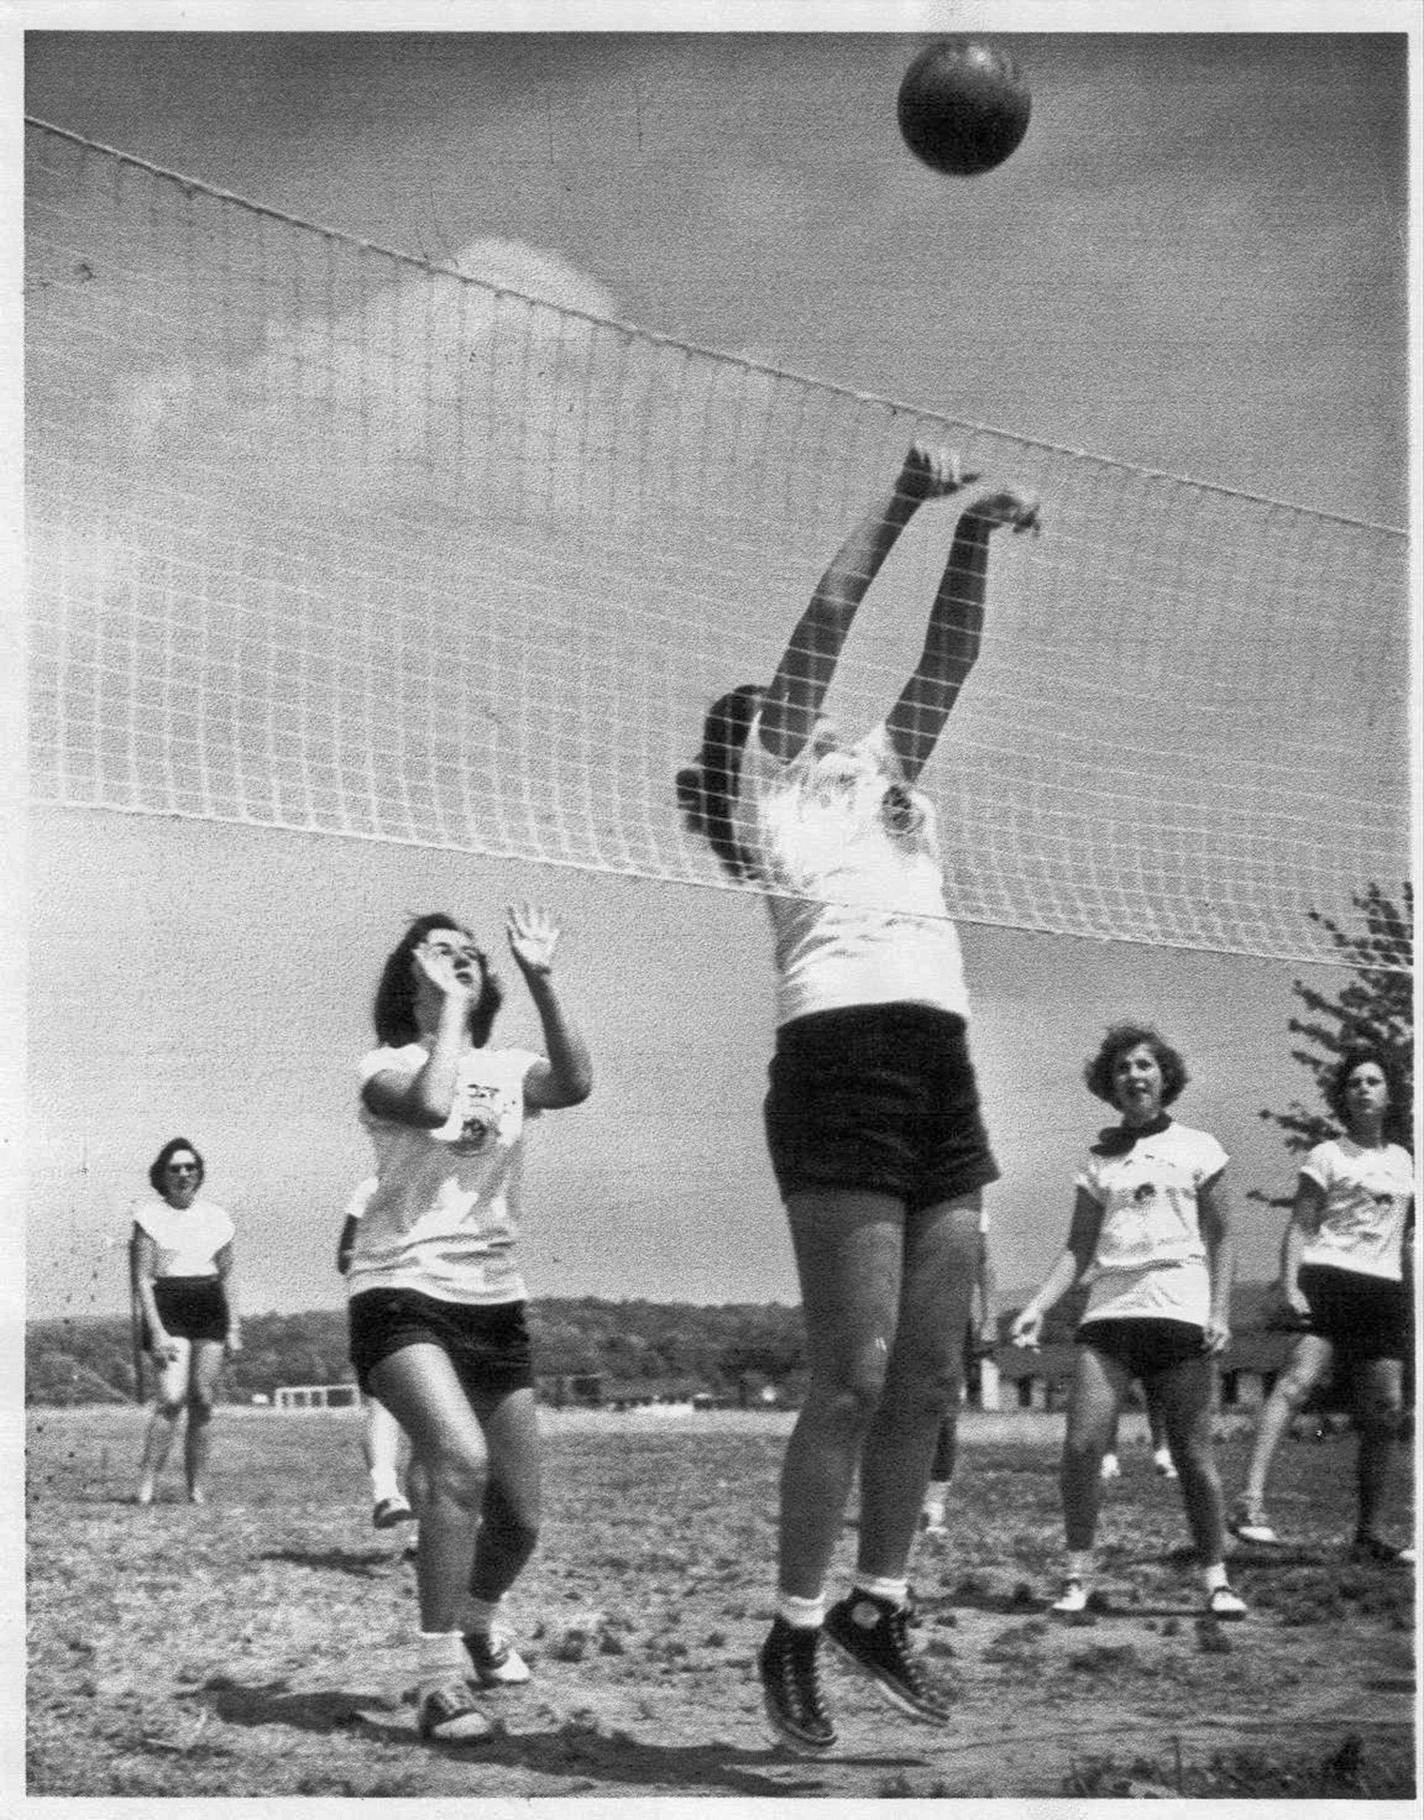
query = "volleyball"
{"x": 963, "y": 108}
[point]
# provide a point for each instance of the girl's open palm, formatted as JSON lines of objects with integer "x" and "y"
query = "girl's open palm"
{"x": 533, "y": 936}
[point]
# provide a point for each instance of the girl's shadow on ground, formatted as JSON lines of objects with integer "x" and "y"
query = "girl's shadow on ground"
{"x": 567, "y": 1750}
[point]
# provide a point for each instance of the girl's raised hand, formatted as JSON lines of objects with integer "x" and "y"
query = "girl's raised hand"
{"x": 533, "y": 937}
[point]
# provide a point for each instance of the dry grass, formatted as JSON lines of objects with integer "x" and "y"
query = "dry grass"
{"x": 255, "y": 1647}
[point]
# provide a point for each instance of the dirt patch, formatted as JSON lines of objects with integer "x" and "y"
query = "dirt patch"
{"x": 256, "y": 1647}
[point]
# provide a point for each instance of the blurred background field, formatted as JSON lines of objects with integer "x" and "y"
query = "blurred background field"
{"x": 253, "y": 1647}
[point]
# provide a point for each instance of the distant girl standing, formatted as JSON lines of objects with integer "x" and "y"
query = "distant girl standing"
{"x": 1345, "y": 1265}
{"x": 437, "y": 1310}
{"x": 1151, "y": 1234}
{"x": 182, "y": 1261}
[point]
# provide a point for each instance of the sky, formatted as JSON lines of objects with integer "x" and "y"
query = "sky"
{"x": 1194, "y": 264}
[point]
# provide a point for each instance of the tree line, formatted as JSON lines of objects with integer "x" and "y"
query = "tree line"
{"x": 634, "y": 1344}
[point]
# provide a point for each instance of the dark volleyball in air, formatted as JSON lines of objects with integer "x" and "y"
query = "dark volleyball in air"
{"x": 963, "y": 107}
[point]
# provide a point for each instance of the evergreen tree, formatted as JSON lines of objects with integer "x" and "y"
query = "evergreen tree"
{"x": 1376, "y": 1004}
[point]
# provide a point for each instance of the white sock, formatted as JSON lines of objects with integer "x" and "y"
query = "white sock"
{"x": 1080, "y": 1564}
{"x": 439, "y": 1655}
{"x": 801, "y": 1614}
{"x": 1215, "y": 1576}
{"x": 385, "y": 1485}
{"x": 483, "y": 1613}
{"x": 896, "y": 1591}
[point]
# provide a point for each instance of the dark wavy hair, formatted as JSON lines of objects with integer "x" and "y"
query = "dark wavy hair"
{"x": 707, "y": 788}
{"x": 1098, "y": 1073}
{"x": 165, "y": 1156}
{"x": 394, "y": 1010}
{"x": 1397, "y": 1114}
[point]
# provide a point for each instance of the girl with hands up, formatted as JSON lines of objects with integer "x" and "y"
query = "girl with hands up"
{"x": 437, "y": 1298}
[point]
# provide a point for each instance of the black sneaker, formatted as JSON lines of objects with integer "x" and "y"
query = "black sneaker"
{"x": 791, "y": 1688}
{"x": 870, "y": 1633}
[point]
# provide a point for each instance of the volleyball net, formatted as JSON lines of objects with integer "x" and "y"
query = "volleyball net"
{"x": 324, "y": 538}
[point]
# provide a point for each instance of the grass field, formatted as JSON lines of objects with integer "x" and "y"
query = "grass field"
{"x": 253, "y": 1647}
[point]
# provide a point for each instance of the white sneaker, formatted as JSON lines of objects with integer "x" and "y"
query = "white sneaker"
{"x": 497, "y": 1662}
{"x": 1223, "y": 1603}
{"x": 1110, "y": 1469}
{"x": 1162, "y": 1460}
{"x": 1073, "y": 1599}
{"x": 449, "y": 1713}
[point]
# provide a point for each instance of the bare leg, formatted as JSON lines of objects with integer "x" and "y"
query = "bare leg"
{"x": 1184, "y": 1396}
{"x": 1309, "y": 1363}
{"x": 941, "y": 1252}
{"x": 849, "y": 1256}
{"x": 509, "y": 1515}
{"x": 1099, "y": 1386}
{"x": 1378, "y": 1399}
{"x": 202, "y": 1393}
{"x": 419, "y": 1386}
{"x": 163, "y": 1423}
{"x": 381, "y": 1446}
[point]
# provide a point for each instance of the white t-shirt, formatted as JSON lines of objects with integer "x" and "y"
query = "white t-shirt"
{"x": 854, "y": 849}
{"x": 188, "y": 1239}
{"x": 1367, "y": 1196}
{"x": 1150, "y": 1261}
{"x": 443, "y": 1217}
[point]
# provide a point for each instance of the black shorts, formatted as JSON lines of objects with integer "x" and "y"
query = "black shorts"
{"x": 190, "y": 1308}
{"x": 880, "y": 1098}
{"x": 487, "y": 1344}
{"x": 1145, "y": 1346}
{"x": 1363, "y": 1317}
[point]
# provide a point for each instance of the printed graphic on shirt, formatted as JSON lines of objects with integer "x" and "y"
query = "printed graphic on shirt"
{"x": 480, "y": 1113}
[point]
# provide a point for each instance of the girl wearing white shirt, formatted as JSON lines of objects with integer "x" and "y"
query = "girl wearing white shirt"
{"x": 872, "y": 1117}
{"x": 1151, "y": 1234}
{"x": 1345, "y": 1268}
{"x": 181, "y": 1251}
{"x": 437, "y": 1308}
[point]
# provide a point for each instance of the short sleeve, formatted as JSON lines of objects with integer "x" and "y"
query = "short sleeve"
{"x": 1089, "y": 1180}
{"x": 378, "y": 1060}
{"x": 1214, "y": 1159}
{"x": 1317, "y": 1167}
{"x": 143, "y": 1218}
{"x": 360, "y": 1198}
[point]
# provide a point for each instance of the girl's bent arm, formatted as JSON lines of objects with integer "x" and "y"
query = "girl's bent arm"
{"x": 1071, "y": 1264}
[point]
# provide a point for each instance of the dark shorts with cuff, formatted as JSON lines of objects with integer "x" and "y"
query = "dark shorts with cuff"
{"x": 1363, "y": 1317}
{"x": 1145, "y": 1346}
{"x": 190, "y": 1308}
{"x": 879, "y": 1098}
{"x": 488, "y": 1344}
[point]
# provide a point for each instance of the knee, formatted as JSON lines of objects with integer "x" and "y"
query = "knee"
{"x": 169, "y": 1408}
{"x": 456, "y": 1478}
{"x": 1292, "y": 1391}
{"x": 200, "y": 1405}
{"x": 849, "y": 1399}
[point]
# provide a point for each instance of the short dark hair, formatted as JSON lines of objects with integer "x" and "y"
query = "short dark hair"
{"x": 1368, "y": 1049}
{"x": 707, "y": 788}
{"x": 394, "y": 1010}
{"x": 1098, "y": 1073}
{"x": 158, "y": 1167}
